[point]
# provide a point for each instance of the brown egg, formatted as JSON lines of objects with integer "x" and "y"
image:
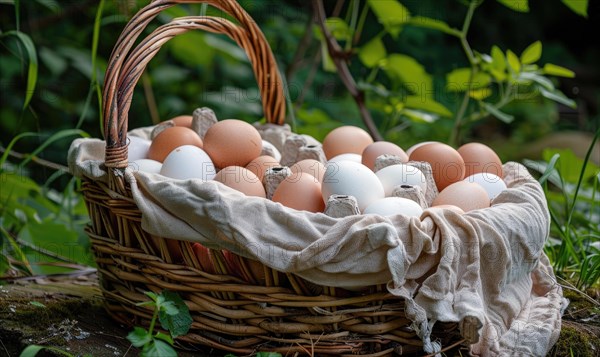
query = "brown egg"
{"x": 465, "y": 195}
{"x": 480, "y": 158}
{"x": 241, "y": 179}
{"x": 373, "y": 151}
{"x": 259, "y": 165}
{"x": 309, "y": 166}
{"x": 344, "y": 140}
{"x": 183, "y": 120}
{"x": 204, "y": 258}
{"x": 418, "y": 145}
{"x": 301, "y": 192}
{"x": 232, "y": 142}
{"x": 170, "y": 139}
{"x": 446, "y": 163}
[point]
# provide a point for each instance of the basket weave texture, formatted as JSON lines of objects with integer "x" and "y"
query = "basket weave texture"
{"x": 233, "y": 309}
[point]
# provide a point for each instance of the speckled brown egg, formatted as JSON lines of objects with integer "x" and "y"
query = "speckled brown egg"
{"x": 446, "y": 163}
{"x": 232, "y": 142}
{"x": 464, "y": 195}
{"x": 344, "y": 140}
{"x": 373, "y": 151}
{"x": 241, "y": 179}
{"x": 480, "y": 158}
{"x": 170, "y": 139}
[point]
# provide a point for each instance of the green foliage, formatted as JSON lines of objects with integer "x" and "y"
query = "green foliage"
{"x": 572, "y": 189}
{"x": 173, "y": 315}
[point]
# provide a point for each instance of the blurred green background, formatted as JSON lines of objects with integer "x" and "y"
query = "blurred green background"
{"x": 405, "y": 62}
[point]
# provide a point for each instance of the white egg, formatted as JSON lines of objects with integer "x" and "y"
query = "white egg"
{"x": 396, "y": 175}
{"x": 390, "y": 206}
{"x": 492, "y": 184}
{"x": 187, "y": 162}
{"x": 347, "y": 157}
{"x": 146, "y": 165}
{"x": 352, "y": 179}
{"x": 271, "y": 150}
{"x": 138, "y": 148}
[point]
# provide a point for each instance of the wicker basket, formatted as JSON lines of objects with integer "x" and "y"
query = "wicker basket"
{"x": 283, "y": 313}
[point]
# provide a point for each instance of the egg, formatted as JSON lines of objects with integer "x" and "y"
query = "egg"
{"x": 309, "y": 166}
{"x": 261, "y": 164}
{"x": 146, "y": 165}
{"x": 346, "y": 139}
{"x": 241, "y": 179}
{"x": 204, "y": 258}
{"x": 138, "y": 148}
{"x": 378, "y": 148}
{"x": 446, "y": 163}
{"x": 491, "y": 183}
{"x": 396, "y": 175}
{"x": 271, "y": 150}
{"x": 390, "y": 206}
{"x": 301, "y": 192}
{"x": 352, "y": 179}
{"x": 465, "y": 195}
{"x": 186, "y": 162}
{"x": 418, "y": 145}
{"x": 172, "y": 138}
{"x": 183, "y": 120}
{"x": 232, "y": 142}
{"x": 346, "y": 157}
{"x": 480, "y": 158}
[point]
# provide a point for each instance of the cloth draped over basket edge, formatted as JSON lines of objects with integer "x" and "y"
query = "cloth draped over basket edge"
{"x": 487, "y": 265}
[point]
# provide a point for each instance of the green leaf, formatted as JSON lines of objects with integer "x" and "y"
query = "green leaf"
{"x": 532, "y": 53}
{"x": 139, "y": 337}
{"x": 558, "y": 71}
{"x": 338, "y": 28}
{"x": 268, "y": 354}
{"x": 371, "y": 53}
{"x": 570, "y": 165}
{"x": 32, "y": 70}
{"x": 391, "y": 14}
{"x": 419, "y": 116}
{"x": 558, "y": 96}
{"x": 507, "y": 118}
{"x": 31, "y": 351}
{"x": 164, "y": 337}
{"x": 434, "y": 24}
{"x": 37, "y": 304}
{"x": 513, "y": 62}
{"x": 541, "y": 80}
{"x": 169, "y": 308}
{"x": 328, "y": 64}
{"x": 177, "y": 324}
{"x": 458, "y": 80}
{"x": 516, "y": 5}
{"x": 16, "y": 250}
{"x": 52, "y": 5}
{"x": 480, "y": 93}
{"x": 427, "y": 104}
{"x": 498, "y": 69}
{"x": 55, "y": 137}
{"x": 158, "y": 348}
{"x": 549, "y": 169}
{"x": 407, "y": 70}
{"x": 151, "y": 295}
{"x": 578, "y": 6}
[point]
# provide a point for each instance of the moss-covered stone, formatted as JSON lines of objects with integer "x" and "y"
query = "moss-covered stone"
{"x": 577, "y": 340}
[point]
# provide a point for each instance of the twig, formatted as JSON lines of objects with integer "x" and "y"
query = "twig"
{"x": 5, "y": 350}
{"x": 300, "y": 50}
{"x": 335, "y": 50}
{"x": 37, "y": 160}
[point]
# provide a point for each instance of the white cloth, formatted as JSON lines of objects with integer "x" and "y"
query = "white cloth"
{"x": 486, "y": 264}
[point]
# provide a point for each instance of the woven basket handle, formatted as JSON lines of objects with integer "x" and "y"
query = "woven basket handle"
{"x": 126, "y": 65}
